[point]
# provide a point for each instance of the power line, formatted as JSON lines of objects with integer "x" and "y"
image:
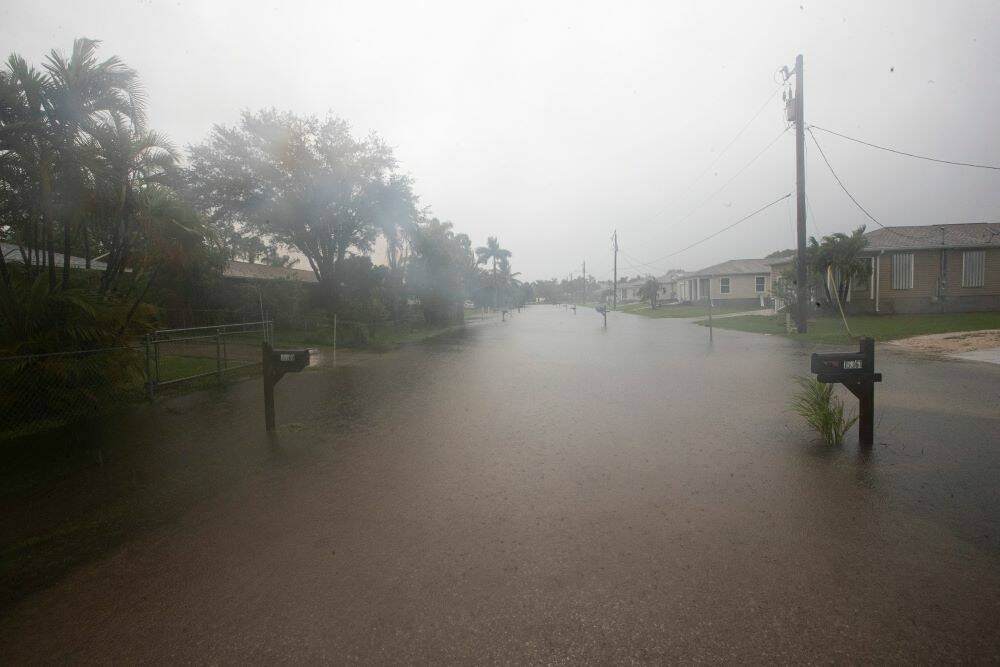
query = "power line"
{"x": 724, "y": 229}
{"x": 848, "y": 192}
{"x": 732, "y": 178}
{"x": 736, "y": 138}
{"x": 914, "y": 155}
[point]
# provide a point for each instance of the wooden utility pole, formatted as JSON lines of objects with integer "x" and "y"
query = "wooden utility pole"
{"x": 800, "y": 200}
{"x": 584, "y": 282}
{"x": 614, "y": 287}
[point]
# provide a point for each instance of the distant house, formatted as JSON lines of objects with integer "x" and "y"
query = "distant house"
{"x": 630, "y": 290}
{"x": 12, "y": 255}
{"x": 737, "y": 282}
{"x": 248, "y": 271}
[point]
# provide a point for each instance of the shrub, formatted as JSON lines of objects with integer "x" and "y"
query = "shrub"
{"x": 822, "y": 410}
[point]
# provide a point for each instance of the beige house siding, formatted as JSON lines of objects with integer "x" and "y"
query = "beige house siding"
{"x": 740, "y": 287}
{"x": 991, "y": 276}
{"x": 925, "y": 275}
{"x": 926, "y": 294}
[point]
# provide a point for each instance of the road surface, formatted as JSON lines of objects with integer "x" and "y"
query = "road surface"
{"x": 536, "y": 490}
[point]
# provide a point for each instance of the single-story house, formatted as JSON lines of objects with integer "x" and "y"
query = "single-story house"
{"x": 931, "y": 269}
{"x": 744, "y": 282}
{"x": 926, "y": 269}
{"x": 630, "y": 290}
{"x": 12, "y": 255}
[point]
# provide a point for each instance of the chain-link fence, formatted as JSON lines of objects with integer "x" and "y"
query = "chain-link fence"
{"x": 180, "y": 355}
{"x": 38, "y": 391}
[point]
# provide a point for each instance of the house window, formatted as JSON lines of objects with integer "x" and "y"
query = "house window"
{"x": 723, "y": 285}
{"x": 760, "y": 283}
{"x": 973, "y": 268}
{"x": 902, "y": 270}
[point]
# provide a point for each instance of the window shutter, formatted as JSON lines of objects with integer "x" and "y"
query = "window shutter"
{"x": 973, "y": 268}
{"x": 902, "y": 270}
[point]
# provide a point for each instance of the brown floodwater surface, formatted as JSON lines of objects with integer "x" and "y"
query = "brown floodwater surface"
{"x": 540, "y": 489}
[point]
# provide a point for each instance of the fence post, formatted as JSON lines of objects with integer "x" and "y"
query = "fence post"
{"x": 335, "y": 339}
{"x": 218, "y": 354}
{"x": 149, "y": 370}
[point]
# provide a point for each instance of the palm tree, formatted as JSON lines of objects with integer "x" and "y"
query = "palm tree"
{"x": 128, "y": 161}
{"x": 85, "y": 92}
{"x": 27, "y": 154}
{"x": 45, "y": 121}
{"x": 492, "y": 252}
{"x": 838, "y": 256}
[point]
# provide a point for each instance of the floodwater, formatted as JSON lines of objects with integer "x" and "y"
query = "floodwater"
{"x": 536, "y": 490}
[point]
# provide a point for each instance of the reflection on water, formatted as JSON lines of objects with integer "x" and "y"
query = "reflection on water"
{"x": 611, "y": 447}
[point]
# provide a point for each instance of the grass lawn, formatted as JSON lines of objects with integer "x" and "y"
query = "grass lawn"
{"x": 678, "y": 310}
{"x": 879, "y": 327}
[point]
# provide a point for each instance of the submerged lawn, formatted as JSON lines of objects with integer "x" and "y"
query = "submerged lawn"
{"x": 879, "y": 327}
{"x": 699, "y": 310}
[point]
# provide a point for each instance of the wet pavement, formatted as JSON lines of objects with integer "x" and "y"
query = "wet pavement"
{"x": 536, "y": 490}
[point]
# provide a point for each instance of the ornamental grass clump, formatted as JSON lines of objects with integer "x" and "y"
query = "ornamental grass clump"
{"x": 822, "y": 410}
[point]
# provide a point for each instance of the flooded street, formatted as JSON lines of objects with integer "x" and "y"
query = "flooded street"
{"x": 536, "y": 490}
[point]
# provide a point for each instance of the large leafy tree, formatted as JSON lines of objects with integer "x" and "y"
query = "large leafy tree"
{"x": 437, "y": 271}
{"x": 301, "y": 182}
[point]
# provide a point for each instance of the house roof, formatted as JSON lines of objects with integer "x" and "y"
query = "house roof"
{"x": 12, "y": 254}
{"x": 250, "y": 271}
{"x": 913, "y": 237}
{"x": 734, "y": 267}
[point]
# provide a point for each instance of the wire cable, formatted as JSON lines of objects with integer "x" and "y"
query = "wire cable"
{"x": 732, "y": 178}
{"x": 848, "y": 192}
{"x": 913, "y": 155}
{"x": 736, "y": 138}
{"x": 724, "y": 229}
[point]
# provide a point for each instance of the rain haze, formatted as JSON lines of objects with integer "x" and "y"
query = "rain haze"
{"x": 499, "y": 332}
{"x": 552, "y": 124}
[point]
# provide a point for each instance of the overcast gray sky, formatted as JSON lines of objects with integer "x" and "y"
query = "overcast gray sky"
{"x": 552, "y": 124}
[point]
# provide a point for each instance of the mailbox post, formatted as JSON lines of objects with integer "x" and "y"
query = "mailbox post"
{"x": 276, "y": 363}
{"x": 856, "y": 371}
{"x": 603, "y": 310}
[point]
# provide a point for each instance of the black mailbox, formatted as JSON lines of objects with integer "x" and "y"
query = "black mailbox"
{"x": 276, "y": 363}
{"x": 841, "y": 362}
{"x": 856, "y": 371}
{"x": 289, "y": 361}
